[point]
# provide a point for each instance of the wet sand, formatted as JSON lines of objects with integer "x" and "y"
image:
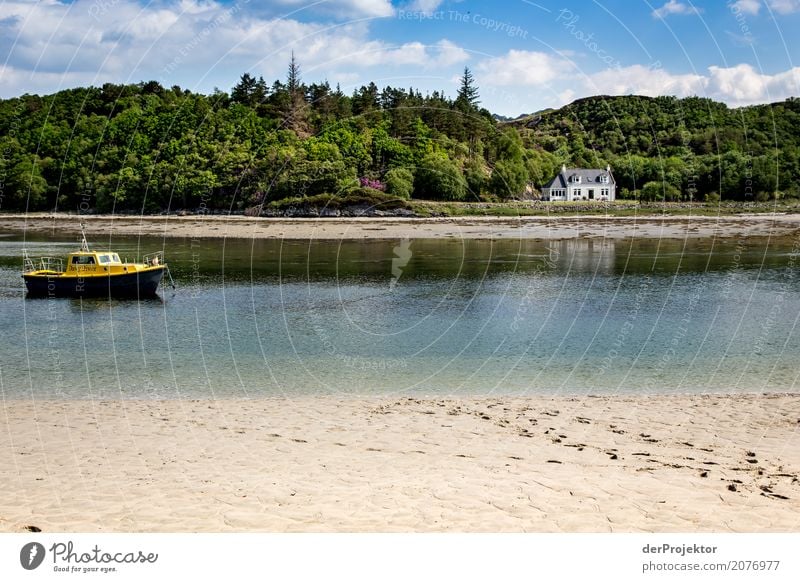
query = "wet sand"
{"x": 536, "y": 227}
{"x": 334, "y": 464}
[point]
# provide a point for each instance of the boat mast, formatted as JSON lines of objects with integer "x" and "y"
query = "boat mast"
{"x": 84, "y": 244}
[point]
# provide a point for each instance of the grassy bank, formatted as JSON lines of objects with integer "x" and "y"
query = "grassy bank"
{"x": 617, "y": 208}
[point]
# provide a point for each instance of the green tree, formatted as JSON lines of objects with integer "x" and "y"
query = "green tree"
{"x": 248, "y": 91}
{"x": 475, "y": 175}
{"x": 467, "y": 99}
{"x": 439, "y": 178}
{"x": 655, "y": 191}
{"x": 508, "y": 179}
{"x": 399, "y": 183}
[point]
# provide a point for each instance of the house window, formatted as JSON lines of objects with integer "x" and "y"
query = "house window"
{"x": 576, "y": 192}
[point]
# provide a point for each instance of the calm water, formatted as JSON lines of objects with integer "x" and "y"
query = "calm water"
{"x": 429, "y": 317}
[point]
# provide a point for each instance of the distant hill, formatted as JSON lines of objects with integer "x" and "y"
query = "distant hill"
{"x": 144, "y": 147}
{"x": 695, "y": 144}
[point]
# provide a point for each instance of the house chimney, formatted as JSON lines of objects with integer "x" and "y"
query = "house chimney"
{"x": 563, "y": 168}
{"x": 608, "y": 168}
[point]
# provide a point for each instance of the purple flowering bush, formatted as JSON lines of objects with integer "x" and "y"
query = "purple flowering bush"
{"x": 374, "y": 184}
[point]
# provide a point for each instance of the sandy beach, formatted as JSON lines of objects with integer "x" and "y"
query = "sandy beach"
{"x": 333, "y": 464}
{"x": 532, "y": 227}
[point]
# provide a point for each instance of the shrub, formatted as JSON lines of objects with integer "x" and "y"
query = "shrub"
{"x": 369, "y": 183}
{"x": 439, "y": 178}
{"x": 399, "y": 183}
{"x": 508, "y": 179}
{"x": 659, "y": 191}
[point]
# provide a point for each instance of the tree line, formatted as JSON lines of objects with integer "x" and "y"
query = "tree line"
{"x": 145, "y": 148}
{"x": 665, "y": 148}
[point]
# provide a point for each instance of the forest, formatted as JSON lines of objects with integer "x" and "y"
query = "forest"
{"x": 146, "y": 148}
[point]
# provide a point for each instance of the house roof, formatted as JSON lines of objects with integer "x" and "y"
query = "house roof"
{"x": 588, "y": 176}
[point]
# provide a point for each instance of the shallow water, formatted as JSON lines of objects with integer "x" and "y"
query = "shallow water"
{"x": 420, "y": 316}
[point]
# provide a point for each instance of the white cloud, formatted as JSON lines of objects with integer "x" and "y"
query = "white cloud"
{"x": 449, "y": 53}
{"x": 784, "y": 6}
{"x": 370, "y": 7}
{"x": 193, "y": 43}
{"x": 523, "y": 68}
{"x": 641, "y": 80}
{"x": 426, "y": 6}
{"x": 738, "y": 85}
{"x": 675, "y": 7}
{"x": 743, "y": 85}
{"x": 746, "y": 6}
{"x": 345, "y": 8}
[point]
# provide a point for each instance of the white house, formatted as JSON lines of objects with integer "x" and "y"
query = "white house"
{"x": 580, "y": 184}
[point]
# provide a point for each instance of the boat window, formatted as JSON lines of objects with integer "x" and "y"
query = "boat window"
{"x": 83, "y": 260}
{"x": 115, "y": 258}
{"x": 104, "y": 258}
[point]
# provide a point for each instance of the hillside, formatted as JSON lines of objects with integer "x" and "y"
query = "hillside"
{"x": 147, "y": 148}
{"x": 695, "y": 145}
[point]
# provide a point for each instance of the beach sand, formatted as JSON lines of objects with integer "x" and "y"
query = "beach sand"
{"x": 333, "y": 464}
{"x": 532, "y": 227}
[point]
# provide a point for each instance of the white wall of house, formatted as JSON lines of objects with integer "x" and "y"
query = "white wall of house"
{"x": 577, "y": 188}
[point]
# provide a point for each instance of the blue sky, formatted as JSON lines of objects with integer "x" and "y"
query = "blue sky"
{"x": 526, "y": 55}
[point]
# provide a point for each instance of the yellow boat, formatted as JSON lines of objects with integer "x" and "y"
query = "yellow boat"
{"x": 93, "y": 273}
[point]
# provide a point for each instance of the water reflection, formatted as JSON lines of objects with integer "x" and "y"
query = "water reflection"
{"x": 418, "y": 316}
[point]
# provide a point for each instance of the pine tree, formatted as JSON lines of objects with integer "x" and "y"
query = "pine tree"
{"x": 293, "y": 77}
{"x": 296, "y": 117}
{"x": 467, "y": 99}
{"x": 243, "y": 91}
{"x": 467, "y": 103}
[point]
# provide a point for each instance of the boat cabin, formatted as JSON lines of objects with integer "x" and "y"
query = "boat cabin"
{"x": 104, "y": 263}
{"x": 92, "y": 261}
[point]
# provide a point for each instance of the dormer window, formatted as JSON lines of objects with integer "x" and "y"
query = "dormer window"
{"x": 604, "y": 178}
{"x": 575, "y": 179}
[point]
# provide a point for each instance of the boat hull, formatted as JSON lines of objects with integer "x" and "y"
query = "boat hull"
{"x": 138, "y": 284}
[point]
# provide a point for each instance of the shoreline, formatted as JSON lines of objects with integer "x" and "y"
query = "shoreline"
{"x": 527, "y": 227}
{"x": 704, "y": 463}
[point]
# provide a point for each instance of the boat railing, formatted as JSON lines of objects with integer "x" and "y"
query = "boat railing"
{"x": 27, "y": 262}
{"x": 51, "y": 264}
{"x": 154, "y": 259}
{"x": 42, "y": 264}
